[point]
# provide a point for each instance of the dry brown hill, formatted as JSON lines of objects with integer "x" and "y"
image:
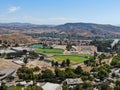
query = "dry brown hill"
{"x": 17, "y": 38}
{"x": 73, "y": 29}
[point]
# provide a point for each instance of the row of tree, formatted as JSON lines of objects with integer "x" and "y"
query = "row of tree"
{"x": 48, "y": 75}
{"x": 63, "y": 64}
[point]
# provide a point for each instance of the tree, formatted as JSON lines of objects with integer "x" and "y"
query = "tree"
{"x": 45, "y": 45}
{"x": 53, "y": 63}
{"x": 3, "y": 87}
{"x": 36, "y": 69}
{"x": 48, "y": 74}
{"x": 39, "y": 76}
{"x": 59, "y": 73}
{"x": 0, "y": 41}
{"x": 91, "y": 78}
{"x": 25, "y": 73}
{"x": 95, "y": 55}
{"x": 101, "y": 57}
{"x": 16, "y": 45}
{"x": 25, "y": 60}
{"x": 34, "y": 55}
{"x": 70, "y": 73}
{"x": 41, "y": 58}
{"x": 65, "y": 87}
{"x": 68, "y": 62}
{"x": 116, "y": 61}
{"x": 68, "y": 47}
{"x": 78, "y": 87}
{"x": 78, "y": 70}
{"x": 63, "y": 63}
{"x": 102, "y": 74}
{"x": 11, "y": 78}
{"x": 104, "y": 86}
{"x": 90, "y": 62}
{"x": 57, "y": 70}
{"x": 56, "y": 63}
{"x": 117, "y": 87}
{"x": 87, "y": 86}
{"x": 25, "y": 52}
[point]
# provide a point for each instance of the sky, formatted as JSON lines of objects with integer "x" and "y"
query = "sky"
{"x": 60, "y": 11}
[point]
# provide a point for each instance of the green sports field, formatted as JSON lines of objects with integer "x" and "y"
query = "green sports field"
{"x": 15, "y": 88}
{"x": 58, "y": 55}
{"x": 77, "y": 58}
{"x": 50, "y": 51}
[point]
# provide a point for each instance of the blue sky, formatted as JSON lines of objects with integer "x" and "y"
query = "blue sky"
{"x": 60, "y": 11}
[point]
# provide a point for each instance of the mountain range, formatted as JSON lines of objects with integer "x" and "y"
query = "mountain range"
{"x": 80, "y": 29}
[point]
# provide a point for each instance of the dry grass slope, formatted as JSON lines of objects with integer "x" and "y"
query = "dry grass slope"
{"x": 20, "y": 39}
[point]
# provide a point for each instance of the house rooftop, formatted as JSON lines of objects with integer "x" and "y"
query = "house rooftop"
{"x": 7, "y": 72}
{"x": 51, "y": 86}
{"x": 74, "y": 81}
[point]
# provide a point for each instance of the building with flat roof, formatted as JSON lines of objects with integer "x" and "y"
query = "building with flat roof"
{"x": 7, "y": 51}
{"x": 74, "y": 81}
{"x": 19, "y": 49}
{"x": 117, "y": 72}
{"x": 6, "y": 73}
{"x": 51, "y": 86}
{"x": 19, "y": 62}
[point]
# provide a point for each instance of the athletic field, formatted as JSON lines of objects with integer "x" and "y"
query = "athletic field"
{"x": 50, "y": 51}
{"x": 77, "y": 58}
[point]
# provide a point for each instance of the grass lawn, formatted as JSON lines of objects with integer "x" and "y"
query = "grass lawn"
{"x": 15, "y": 88}
{"x": 76, "y": 58}
{"x": 36, "y": 46}
{"x": 50, "y": 51}
{"x": 86, "y": 48}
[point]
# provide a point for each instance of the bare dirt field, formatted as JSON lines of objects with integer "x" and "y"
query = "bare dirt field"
{"x": 5, "y": 64}
{"x": 41, "y": 64}
{"x": 60, "y": 47}
{"x": 35, "y": 63}
{"x": 84, "y": 67}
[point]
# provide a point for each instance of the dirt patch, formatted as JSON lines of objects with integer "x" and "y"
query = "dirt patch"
{"x": 18, "y": 38}
{"x": 5, "y": 64}
{"x": 35, "y": 63}
{"x": 60, "y": 47}
{"x": 86, "y": 68}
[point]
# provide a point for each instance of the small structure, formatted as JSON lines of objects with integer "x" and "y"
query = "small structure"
{"x": 40, "y": 83}
{"x": 114, "y": 42}
{"x": 23, "y": 83}
{"x": 117, "y": 72}
{"x": 19, "y": 49}
{"x": 9, "y": 84}
{"x": 2, "y": 74}
{"x": 6, "y": 73}
{"x": 72, "y": 82}
{"x": 19, "y": 62}
{"x": 30, "y": 83}
{"x": 51, "y": 86}
{"x": 7, "y": 51}
{"x": 97, "y": 80}
{"x": 0, "y": 83}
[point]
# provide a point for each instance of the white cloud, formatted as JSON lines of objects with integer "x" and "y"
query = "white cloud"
{"x": 13, "y": 9}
